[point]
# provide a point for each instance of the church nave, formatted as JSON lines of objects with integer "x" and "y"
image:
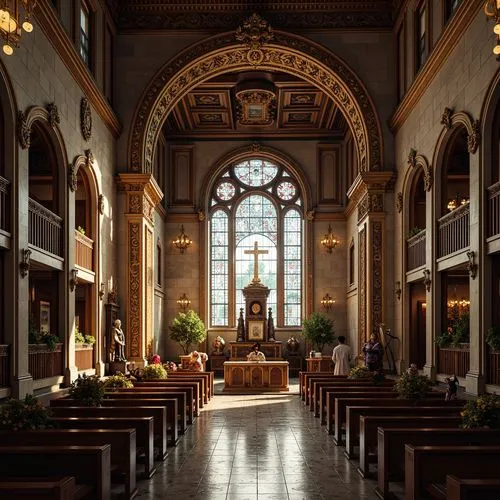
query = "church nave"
{"x": 249, "y": 447}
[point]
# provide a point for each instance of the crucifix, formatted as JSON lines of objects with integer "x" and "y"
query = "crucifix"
{"x": 256, "y": 252}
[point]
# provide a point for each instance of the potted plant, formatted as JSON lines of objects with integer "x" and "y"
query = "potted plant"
{"x": 413, "y": 387}
{"x": 118, "y": 381}
{"x": 318, "y": 329}
{"x": 413, "y": 232}
{"x": 360, "y": 372}
{"x": 27, "y": 414}
{"x": 81, "y": 230}
{"x": 493, "y": 338}
{"x": 187, "y": 329}
{"x": 154, "y": 371}
{"x": 482, "y": 412}
{"x": 87, "y": 391}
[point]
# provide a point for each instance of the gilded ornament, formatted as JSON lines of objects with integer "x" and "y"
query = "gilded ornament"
{"x": 310, "y": 215}
{"x": 23, "y": 130}
{"x": 72, "y": 178}
{"x": 86, "y": 118}
{"x": 474, "y": 138}
{"x": 428, "y": 178}
{"x": 100, "y": 204}
{"x": 255, "y": 32}
{"x": 201, "y": 215}
{"x": 412, "y": 158}
{"x": 89, "y": 158}
{"x": 446, "y": 118}
{"x": 54, "y": 118}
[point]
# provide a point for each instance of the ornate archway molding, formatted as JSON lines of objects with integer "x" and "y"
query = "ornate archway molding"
{"x": 416, "y": 161}
{"x": 255, "y": 46}
{"x": 451, "y": 120}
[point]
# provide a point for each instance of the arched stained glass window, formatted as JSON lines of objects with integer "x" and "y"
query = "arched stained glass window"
{"x": 256, "y": 201}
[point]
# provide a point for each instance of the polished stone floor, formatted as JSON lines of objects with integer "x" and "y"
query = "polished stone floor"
{"x": 256, "y": 447}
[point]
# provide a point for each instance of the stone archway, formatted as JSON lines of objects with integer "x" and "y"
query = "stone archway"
{"x": 255, "y": 46}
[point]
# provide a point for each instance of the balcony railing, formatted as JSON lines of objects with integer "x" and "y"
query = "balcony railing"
{"x": 4, "y": 204}
{"x": 43, "y": 362}
{"x": 84, "y": 249}
{"x": 454, "y": 360}
{"x": 494, "y": 367}
{"x": 494, "y": 209}
{"x": 45, "y": 228}
{"x": 454, "y": 232}
{"x": 4, "y": 366}
{"x": 415, "y": 251}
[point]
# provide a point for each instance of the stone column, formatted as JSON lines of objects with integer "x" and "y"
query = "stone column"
{"x": 142, "y": 196}
{"x": 475, "y": 379}
{"x": 16, "y": 273}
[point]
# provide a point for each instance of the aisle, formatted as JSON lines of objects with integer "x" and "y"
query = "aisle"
{"x": 257, "y": 447}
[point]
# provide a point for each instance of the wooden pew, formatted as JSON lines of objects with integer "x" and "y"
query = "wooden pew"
{"x": 316, "y": 384}
{"x": 142, "y": 425}
{"x": 164, "y": 414}
{"x": 472, "y": 489}
{"x": 64, "y": 488}
{"x": 392, "y": 440}
{"x": 160, "y": 396}
{"x": 207, "y": 376}
{"x": 89, "y": 465}
{"x": 306, "y": 394}
{"x": 196, "y": 396}
{"x": 429, "y": 465}
{"x": 333, "y": 407}
{"x": 122, "y": 442}
{"x": 355, "y": 413}
{"x": 202, "y": 378}
{"x": 304, "y": 376}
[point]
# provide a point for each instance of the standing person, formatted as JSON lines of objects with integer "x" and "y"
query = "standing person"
{"x": 342, "y": 357}
{"x": 373, "y": 354}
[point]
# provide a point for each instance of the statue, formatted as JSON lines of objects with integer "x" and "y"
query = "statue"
{"x": 240, "y": 332}
{"x": 293, "y": 344}
{"x": 119, "y": 338}
{"x": 270, "y": 326}
{"x": 218, "y": 344}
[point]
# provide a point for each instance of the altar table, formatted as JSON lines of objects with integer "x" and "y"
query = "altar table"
{"x": 255, "y": 376}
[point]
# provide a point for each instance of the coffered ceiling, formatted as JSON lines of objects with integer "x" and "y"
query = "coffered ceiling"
{"x": 254, "y": 105}
{"x": 228, "y": 14}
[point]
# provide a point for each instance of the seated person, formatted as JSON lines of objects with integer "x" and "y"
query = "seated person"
{"x": 195, "y": 363}
{"x": 255, "y": 354}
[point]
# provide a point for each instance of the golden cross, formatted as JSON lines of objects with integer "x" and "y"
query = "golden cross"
{"x": 256, "y": 252}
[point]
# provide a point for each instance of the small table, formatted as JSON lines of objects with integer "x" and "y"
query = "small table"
{"x": 256, "y": 376}
{"x": 323, "y": 364}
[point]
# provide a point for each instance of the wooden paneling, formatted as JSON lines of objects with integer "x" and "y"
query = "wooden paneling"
{"x": 182, "y": 176}
{"x": 329, "y": 180}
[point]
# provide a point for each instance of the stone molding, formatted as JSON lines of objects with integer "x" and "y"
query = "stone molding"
{"x": 288, "y": 53}
{"x": 450, "y": 120}
{"x": 416, "y": 160}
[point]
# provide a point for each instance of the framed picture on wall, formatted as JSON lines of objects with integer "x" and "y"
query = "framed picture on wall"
{"x": 256, "y": 330}
{"x": 44, "y": 317}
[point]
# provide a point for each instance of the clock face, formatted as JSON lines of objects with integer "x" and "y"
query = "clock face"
{"x": 256, "y": 308}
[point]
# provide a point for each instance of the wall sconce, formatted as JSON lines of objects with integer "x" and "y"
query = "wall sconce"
{"x": 492, "y": 11}
{"x": 329, "y": 241}
{"x": 73, "y": 281}
{"x": 182, "y": 241}
{"x": 102, "y": 291}
{"x": 183, "y": 302}
{"x": 397, "y": 290}
{"x": 327, "y": 302}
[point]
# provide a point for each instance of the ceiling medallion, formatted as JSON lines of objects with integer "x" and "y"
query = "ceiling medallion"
{"x": 256, "y": 107}
{"x": 255, "y": 32}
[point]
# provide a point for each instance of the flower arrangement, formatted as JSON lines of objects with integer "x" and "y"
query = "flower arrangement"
{"x": 88, "y": 391}
{"x": 155, "y": 359}
{"x": 170, "y": 366}
{"x": 36, "y": 337}
{"x": 413, "y": 387}
{"x": 359, "y": 372}
{"x": 27, "y": 414}
{"x": 152, "y": 371}
{"x": 81, "y": 338}
{"x": 482, "y": 412}
{"x": 118, "y": 381}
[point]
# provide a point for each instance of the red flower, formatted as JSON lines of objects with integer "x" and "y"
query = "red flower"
{"x": 156, "y": 360}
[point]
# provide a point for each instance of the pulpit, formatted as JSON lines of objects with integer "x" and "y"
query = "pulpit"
{"x": 323, "y": 364}
{"x": 256, "y": 376}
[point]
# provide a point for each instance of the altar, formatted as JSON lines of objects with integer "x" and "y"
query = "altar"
{"x": 256, "y": 376}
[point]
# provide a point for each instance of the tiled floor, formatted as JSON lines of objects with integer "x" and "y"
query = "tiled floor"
{"x": 257, "y": 447}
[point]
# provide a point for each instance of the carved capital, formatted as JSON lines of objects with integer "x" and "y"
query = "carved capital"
{"x": 89, "y": 158}
{"x": 310, "y": 215}
{"x": 54, "y": 118}
{"x": 24, "y": 266}
{"x": 143, "y": 193}
{"x": 85, "y": 119}
{"x": 427, "y": 279}
{"x": 100, "y": 204}
{"x": 474, "y": 137}
{"x": 371, "y": 202}
{"x": 399, "y": 202}
{"x": 73, "y": 280}
{"x": 471, "y": 265}
{"x": 412, "y": 158}
{"x": 446, "y": 118}
{"x": 72, "y": 178}
{"x": 23, "y": 130}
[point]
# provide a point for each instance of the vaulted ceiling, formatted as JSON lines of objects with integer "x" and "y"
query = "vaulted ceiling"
{"x": 228, "y": 14}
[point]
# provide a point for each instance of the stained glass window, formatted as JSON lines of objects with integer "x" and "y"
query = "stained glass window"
{"x": 292, "y": 228}
{"x": 261, "y": 203}
{"x": 219, "y": 269}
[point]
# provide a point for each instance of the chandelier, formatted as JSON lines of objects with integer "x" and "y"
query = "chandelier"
{"x": 11, "y": 22}
{"x": 329, "y": 241}
{"x": 182, "y": 241}
{"x": 492, "y": 10}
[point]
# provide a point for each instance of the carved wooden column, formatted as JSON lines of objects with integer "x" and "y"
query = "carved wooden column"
{"x": 369, "y": 189}
{"x": 142, "y": 196}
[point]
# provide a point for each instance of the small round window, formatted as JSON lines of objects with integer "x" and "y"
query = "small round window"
{"x": 226, "y": 191}
{"x": 286, "y": 191}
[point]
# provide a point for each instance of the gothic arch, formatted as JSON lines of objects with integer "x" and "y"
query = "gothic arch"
{"x": 259, "y": 151}
{"x": 264, "y": 50}
{"x": 8, "y": 106}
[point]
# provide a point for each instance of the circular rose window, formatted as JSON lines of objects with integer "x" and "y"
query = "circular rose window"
{"x": 286, "y": 190}
{"x": 226, "y": 191}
